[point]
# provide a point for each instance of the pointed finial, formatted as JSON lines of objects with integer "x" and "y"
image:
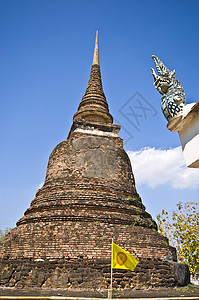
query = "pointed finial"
{"x": 96, "y": 51}
{"x": 93, "y": 106}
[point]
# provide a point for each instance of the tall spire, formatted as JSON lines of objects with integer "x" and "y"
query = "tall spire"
{"x": 96, "y": 51}
{"x": 93, "y": 106}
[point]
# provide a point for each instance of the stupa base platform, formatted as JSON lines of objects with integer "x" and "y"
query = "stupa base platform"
{"x": 84, "y": 275}
{"x": 62, "y": 262}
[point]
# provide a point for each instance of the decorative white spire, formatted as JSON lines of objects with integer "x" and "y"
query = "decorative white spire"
{"x": 96, "y": 51}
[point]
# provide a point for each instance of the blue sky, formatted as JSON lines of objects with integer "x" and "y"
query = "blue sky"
{"x": 46, "y": 49}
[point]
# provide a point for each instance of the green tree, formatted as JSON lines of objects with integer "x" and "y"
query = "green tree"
{"x": 3, "y": 233}
{"x": 182, "y": 230}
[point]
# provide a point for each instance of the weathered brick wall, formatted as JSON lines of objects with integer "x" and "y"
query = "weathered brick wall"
{"x": 69, "y": 240}
{"x": 91, "y": 157}
{"x": 89, "y": 177}
{"x": 81, "y": 274}
{"x": 88, "y": 198}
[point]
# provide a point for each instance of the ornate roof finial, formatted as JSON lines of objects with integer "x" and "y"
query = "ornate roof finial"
{"x": 96, "y": 51}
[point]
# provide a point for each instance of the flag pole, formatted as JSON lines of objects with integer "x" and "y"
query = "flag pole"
{"x": 111, "y": 272}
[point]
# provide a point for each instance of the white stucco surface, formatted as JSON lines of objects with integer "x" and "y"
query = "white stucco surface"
{"x": 188, "y": 130}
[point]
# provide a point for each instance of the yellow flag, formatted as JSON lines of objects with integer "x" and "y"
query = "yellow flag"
{"x": 121, "y": 259}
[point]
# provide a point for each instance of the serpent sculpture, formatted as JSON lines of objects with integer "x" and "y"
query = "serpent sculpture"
{"x": 173, "y": 95}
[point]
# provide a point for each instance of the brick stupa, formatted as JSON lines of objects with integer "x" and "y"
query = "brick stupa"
{"x": 88, "y": 198}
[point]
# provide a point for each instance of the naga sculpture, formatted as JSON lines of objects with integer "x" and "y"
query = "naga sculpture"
{"x": 173, "y": 95}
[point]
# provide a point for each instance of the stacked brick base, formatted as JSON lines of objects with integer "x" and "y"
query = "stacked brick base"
{"x": 88, "y": 275}
{"x": 84, "y": 240}
{"x": 56, "y": 262}
{"x": 88, "y": 198}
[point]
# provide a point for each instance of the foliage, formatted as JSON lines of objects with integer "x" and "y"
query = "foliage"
{"x": 182, "y": 230}
{"x": 3, "y": 233}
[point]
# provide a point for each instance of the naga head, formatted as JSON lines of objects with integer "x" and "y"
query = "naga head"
{"x": 165, "y": 78}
